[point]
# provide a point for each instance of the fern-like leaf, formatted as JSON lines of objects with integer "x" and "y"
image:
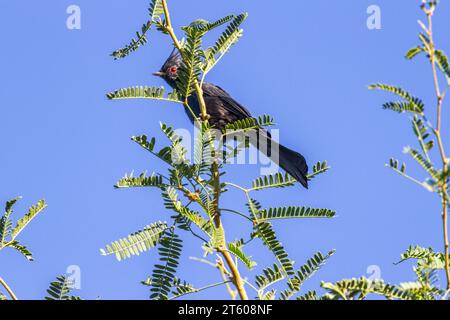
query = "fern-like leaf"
{"x": 171, "y": 202}
{"x": 310, "y": 295}
{"x": 426, "y": 258}
{"x": 144, "y": 92}
{"x": 164, "y": 273}
{"x": 443, "y": 64}
{"x": 304, "y": 273}
{"x": 266, "y": 233}
{"x": 155, "y": 10}
{"x": 21, "y": 249}
{"x": 190, "y": 70}
{"x": 165, "y": 154}
{"x": 25, "y": 220}
{"x": 422, "y": 134}
{"x": 6, "y": 222}
{"x": 142, "y": 181}
{"x": 236, "y": 249}
{"x": 137, "y": 242}
{"x": 411, "y": 104}
{"x": 269, "y": 276}
{"x": 277, "y": 180}
{"x": 228, "y": 38}
{"x": 60, "y": 289}
{"x": 135, "y": 43}
{"x": 318, "y": 169}
{"x": 413, "y": 52}
{"x": 424, "y": 163}
{"x": 359, "y": 288}
{"x": 249, "y": 124}
{"x": 293, "y": 212}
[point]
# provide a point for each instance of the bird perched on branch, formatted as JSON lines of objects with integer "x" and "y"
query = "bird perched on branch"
{"x": 223, "y": 109}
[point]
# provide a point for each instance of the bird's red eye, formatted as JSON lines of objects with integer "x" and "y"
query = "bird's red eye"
{"x": 173, "y": 69}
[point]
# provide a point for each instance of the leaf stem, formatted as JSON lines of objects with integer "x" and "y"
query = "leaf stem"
{"x": 237, "y": 213}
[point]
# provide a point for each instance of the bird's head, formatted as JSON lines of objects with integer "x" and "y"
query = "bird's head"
{"x": 170, "y": 68}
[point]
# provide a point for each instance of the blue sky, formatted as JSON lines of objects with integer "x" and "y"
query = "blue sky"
{"x": 306, "y": 65}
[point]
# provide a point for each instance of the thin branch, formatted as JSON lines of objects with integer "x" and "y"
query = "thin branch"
{"x": 201, "y": 289}
{"x": 8, "y": 289}
{"x": 237, "y": 213}
{"x": 437, "y": 132}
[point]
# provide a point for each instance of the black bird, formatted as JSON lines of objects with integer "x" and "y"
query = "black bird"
{"x": 223, "y": 109}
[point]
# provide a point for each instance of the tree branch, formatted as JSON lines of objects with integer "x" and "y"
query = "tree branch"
{"x": 437, "y": 132}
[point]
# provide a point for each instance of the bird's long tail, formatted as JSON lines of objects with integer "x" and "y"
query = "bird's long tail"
{"x": 290, "y": 161}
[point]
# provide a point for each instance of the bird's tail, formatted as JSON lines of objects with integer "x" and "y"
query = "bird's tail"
{"x": 290, "y": 161}
{"x": 295, "y": 164}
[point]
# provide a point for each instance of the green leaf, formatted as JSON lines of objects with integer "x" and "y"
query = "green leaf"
{"x": 277, "y": 180}
{"x": 23, "y": 222}
{"x": 442, "y": 62}
{"x": 142, "y": 181}
{"x": 178, "y": 286}
{"x": 269, "y": 276}
{"x": 310, "y": 295}
{"x": 424, "y": 163}
{"x": 179, "y": 152}
{"x": 171, "y": 202}
{"x": 164, "y": 154}
{"x": 140, "y": 40}
{"x": 236, "y": 249}
{"x": 212, "y": 25}
{"x": 395, "y": 164}
{"x": 318, "y": 168}
{"x": 21, "y": 249}
{"x": 144, "y": 92}
{"x": 61, "y": 289}
{"x": 269, "y": 295}
{"x": 426, "y": 257}
{"x": 359, "y": 288}
{"x": 294, "y": 212}
{"x": 411, "y": 104}
{"x": 6, "y": 222}
{"x": 265, "y": 232}
{"x": 413, "y": 52}
{"x": 422, "y": 134}
{"x": 228, "y": 38}
{"x": 190, "y": 70}
{"x": 163, "y": 275}
{"x": 136, "y": 243}
{"x": 155, "y": 10}
{"x": 249, "y": 124}
{"x": 304, "y": 273}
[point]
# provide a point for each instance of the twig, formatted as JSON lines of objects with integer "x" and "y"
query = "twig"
{"x": 201, "y": 289}
{"x": 225, "y": 274}
{"x": 8, "y": 289}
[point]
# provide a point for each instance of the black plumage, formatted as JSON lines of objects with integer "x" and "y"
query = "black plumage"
{"x": 223, "y": 109}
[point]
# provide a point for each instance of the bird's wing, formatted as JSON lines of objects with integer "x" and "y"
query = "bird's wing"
{"x": 231, "y": 105}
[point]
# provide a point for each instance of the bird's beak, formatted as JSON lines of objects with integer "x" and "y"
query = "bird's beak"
{"x": 158, "y": 74}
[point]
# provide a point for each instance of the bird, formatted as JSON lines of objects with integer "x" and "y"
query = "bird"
{"x": 223, "y": 109}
